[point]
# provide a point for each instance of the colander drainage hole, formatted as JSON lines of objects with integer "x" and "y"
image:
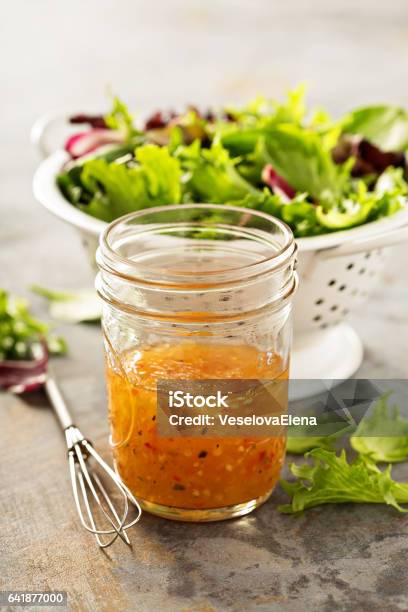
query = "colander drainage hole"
{"x": 332, "y": 282}
{"x": 319, "y": 302}
{"x": 334, "y": 307}
{"x": 350, "y": 266}
{"x": 317, "y": 318}
{"x": 362, "y": 271}
{"x": 342, "y": 287}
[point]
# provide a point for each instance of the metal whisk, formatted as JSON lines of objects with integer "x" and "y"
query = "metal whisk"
{"x": 99, "y": 513}
{"x": 96, "y": 509}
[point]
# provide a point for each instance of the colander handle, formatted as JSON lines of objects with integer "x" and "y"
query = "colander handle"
{"x": 42, "y": 128}
{"x": 378, "y": 241}
{"x": 56, "y": 125}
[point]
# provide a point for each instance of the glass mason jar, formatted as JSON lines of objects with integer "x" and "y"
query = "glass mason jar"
{"x": 194, "y": 292}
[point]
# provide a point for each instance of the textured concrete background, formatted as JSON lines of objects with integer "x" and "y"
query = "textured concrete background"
{"x": 63, "y": 55}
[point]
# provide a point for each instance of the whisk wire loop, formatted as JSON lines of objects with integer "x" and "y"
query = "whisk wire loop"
{"x": 90, "y": 495}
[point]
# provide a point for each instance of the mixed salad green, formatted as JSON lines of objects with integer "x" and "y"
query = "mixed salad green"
{"x": 316, "y": 173}
{"x": 380, "y": 437}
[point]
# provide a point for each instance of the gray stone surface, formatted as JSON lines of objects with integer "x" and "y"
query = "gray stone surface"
{"x": 58, "y": 55}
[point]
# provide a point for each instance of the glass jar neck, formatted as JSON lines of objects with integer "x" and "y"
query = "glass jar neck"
{"x": 196, "y": 262}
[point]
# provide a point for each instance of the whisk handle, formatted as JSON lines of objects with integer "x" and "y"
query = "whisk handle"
{"x": 58, "y": 402}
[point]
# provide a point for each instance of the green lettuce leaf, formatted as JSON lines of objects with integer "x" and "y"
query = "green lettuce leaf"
{"x": 301, "y": 216}
{"x": 385, "y": 126}
{"x": 348, "y": 211}
{"x": 19, "y": 330}
{"x": 361, "y": 204}
{"x": 78, "y": 306}
{"x": 298, "y": 213}
{"x": 331, "y": 479}
{"x": 299, "y": 445}
{"x": 302, "y": 157}
{"x": 118, "y": 189}
{"x": 69, "y": 180}
{"x": 211, "y": 175}
{"x": 391, "y": 190}
{"x": 257, "y": 117}
{"x": 383, "y": 436}
{"x": 330, "y": 427}
{"x": 262, "y": 111}
{"x": 162, "y": 174}
{"x": 120, "y": 119}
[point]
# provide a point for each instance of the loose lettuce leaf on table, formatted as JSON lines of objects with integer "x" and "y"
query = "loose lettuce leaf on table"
{"x": 331, "y": 479}
{"x": 78, "y": 306}
{"x": 300, "y": 445}
{"x": 330, "y": 428}
{"x": 383, "y": 436}
{"x": 385, "y": 126}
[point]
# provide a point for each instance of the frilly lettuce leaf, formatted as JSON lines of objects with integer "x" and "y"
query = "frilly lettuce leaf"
{"x": 299, "y": 213}
{"x": 331, "y": 479}
{"x": 211, "y": 175}
{"x": 382, "y": 436}
{"x": 118, "y": 189}
{"x": 251, "y": 121}
{"x": 161, "y": 173}
{"x": 391, "y": 190}
{"x": 120, "y": 119}
{"x": 330, "y": 428}
{"x": 262, "y": 111}
{"x": 361, "y": 204}
{"x": 302, "y": 444}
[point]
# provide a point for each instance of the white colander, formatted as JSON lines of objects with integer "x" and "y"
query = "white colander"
{"x": 337, "y": 271}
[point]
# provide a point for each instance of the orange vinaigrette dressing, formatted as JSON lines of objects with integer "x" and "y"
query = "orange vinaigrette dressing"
{"x": 189, "y": 473}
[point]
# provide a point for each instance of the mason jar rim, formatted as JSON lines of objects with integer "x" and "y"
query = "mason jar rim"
{"x": 107, "y": 254}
